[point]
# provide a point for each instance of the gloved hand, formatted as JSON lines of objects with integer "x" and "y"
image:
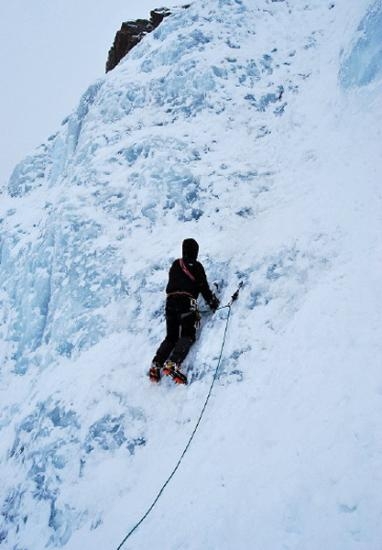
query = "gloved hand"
{"x": 214, "y": 303}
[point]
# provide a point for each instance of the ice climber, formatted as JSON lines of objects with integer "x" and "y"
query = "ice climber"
{"x": 187, "y": 279}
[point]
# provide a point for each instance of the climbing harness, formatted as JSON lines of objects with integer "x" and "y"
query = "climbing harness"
{"x": 228, "y": 306}
{"x": 194, "y": 310}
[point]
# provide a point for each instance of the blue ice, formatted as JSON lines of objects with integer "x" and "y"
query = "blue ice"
{"x": 29, "y": 173}
{"x": 108, "y": 434}
{"x": 76, "y": 121}
{"x": 364, "y": 62}
{"x": 264, "y": 101}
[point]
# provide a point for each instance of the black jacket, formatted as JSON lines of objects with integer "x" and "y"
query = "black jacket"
{"x": 180, "y": 282}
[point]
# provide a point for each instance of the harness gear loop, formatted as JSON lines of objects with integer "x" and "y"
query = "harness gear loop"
{"x": 194, "y": 310}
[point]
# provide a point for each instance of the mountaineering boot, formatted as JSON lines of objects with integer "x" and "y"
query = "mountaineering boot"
{"x": 172, "y": 369}
{"x": 154, "y": 372}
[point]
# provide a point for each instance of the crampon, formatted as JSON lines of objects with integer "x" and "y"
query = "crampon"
{"x": 172, "y": 369}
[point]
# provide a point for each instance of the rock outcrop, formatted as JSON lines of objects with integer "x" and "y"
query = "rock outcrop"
{"x": 131, "y": 33}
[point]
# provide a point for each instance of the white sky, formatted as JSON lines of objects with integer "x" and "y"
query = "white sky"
{"x": 50, "y": 51}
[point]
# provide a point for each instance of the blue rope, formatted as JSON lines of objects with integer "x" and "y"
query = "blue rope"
{"x": 229, "y": 305}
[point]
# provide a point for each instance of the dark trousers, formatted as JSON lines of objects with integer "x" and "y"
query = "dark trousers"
{"x": 181, "y": 330}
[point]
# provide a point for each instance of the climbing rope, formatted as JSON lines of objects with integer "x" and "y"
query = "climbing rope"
{"x": 228, "y": 306}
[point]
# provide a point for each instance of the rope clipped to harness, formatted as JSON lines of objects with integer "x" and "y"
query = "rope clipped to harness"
{"x": 234, "y": 297}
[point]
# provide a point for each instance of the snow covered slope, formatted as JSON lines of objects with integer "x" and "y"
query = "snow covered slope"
{"x": 253, "y": 126}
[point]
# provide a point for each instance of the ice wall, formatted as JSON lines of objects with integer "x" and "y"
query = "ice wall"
{"x": 158, "y": 150}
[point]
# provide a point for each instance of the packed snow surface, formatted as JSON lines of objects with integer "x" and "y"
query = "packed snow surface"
{"x": 253, "y": 126}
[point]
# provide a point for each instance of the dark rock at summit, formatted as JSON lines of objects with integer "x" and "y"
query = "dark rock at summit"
{"x": 131, "y": 33}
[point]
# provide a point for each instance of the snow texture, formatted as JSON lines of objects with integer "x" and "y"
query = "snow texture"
{"x": 253, "y": 126}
